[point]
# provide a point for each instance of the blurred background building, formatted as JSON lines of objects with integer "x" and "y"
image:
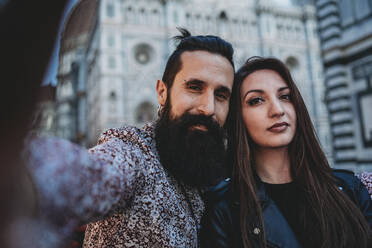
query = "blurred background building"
{"x": 113, "y": 51}
{"x": 44, "y": 122}
{"x": 71, "y": 95}
{"x": 345, "y": 29}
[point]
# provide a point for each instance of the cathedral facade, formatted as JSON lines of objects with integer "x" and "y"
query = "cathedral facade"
{"x": 346, "y": 43}
{"x": 130, "y": 41}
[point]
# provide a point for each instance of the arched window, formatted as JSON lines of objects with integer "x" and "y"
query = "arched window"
{"x": 112, "y": 104}
{"x": 145, "y": 112}
{"x": 175, "y": 16}
{"x": 110, "y": 40}
{"x": 111, "y": 62}
{"x": 110, "y": 11}
{"x": 112, "y": 96}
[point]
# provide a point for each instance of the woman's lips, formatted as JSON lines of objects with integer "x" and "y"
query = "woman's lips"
{"x": 278, "y": 127}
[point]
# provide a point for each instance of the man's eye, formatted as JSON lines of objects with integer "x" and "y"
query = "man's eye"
{"x": 221, "y": 96}
{"x": 194, "y": 87}
{"x": 255, "y": 101}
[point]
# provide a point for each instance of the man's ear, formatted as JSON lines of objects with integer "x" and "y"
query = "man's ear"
{"x": 161, "y": 90}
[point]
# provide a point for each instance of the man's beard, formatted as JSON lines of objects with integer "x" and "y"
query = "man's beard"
{"x": 194, "y": 157}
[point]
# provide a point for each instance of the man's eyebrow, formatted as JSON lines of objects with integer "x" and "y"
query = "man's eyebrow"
{"x": 199, "y": 82}
{"x": 250, "y": 91}
{"x": 194, "y": 81}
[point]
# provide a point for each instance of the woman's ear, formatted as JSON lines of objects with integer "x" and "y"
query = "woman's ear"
{"x": 161, "y": 90}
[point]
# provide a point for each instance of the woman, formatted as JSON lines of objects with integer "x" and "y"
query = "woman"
{"x": 284, "y": 194}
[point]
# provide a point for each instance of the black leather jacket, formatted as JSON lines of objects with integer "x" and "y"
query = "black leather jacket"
{"x": 221, "y": 226}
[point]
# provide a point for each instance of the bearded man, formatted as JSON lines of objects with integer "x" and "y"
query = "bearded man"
{"x": 167, "y": 163}
{"x": 146, "y": 182}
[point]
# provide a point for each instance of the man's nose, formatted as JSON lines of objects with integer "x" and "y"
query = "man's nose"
{"x": 276, "y": 109}
{"x": 206, "y": 105}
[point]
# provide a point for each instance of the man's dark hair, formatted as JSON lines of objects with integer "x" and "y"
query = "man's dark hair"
{"x": 188, "y": 42}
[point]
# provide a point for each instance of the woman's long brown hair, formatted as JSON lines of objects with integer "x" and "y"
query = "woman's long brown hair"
{"x": 339, "y": 222}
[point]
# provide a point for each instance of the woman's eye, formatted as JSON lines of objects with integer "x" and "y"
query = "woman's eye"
{"x": 255, "y": 101}
{"x": 286, "y": 97}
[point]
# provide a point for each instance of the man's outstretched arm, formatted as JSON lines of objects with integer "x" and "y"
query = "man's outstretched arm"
{"x": 75, "y": 186}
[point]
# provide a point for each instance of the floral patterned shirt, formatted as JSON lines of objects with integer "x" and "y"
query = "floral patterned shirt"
{"x": 155, "y": 212}
{"x": 122, "y": 179}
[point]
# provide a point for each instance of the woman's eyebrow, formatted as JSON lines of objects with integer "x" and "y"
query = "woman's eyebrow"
{"x": 283, "y": 88}
{"x": 250, "y": 91}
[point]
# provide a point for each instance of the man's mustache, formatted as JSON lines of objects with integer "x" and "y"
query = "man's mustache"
{"x": 188, "y": 121}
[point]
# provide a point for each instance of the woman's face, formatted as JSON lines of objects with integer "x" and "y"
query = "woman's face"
{"x": 267, "y": 110}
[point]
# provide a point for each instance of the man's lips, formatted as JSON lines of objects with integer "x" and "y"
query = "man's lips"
{"x": 278, "y": 127}
{"x": 199, "y": 127}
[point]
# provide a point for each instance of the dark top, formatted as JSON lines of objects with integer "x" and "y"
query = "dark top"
{"x": 288, "y": 198}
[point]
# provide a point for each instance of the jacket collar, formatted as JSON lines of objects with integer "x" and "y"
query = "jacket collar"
{"x": 263, "y": 197}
